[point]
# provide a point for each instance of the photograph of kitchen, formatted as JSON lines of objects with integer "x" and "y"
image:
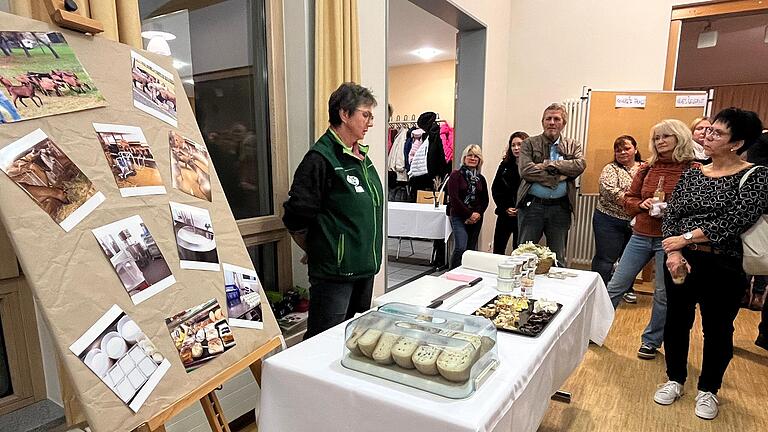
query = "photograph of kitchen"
{"x": 130, "y": 158}
{"x": 40, "y": 76}
{"x": 136, "y": 258}
{"x": 154, "y": 91}
{"x": 243, "y": 290}
{"x": 200, "y": 334}
{"x": 194, "y": 237}
{"x": 50, "y": 178}
{"x": 190, "y": 166}
{"x": 122, "y": 356}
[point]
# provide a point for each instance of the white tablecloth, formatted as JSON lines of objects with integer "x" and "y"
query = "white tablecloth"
{"x": 417, "y": 220}
{"x": 305, "y": 388}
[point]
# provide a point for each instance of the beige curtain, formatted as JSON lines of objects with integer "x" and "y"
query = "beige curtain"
{"x": 753, "y": 97}
{"x": 337, "y": 53}
{"x": 120, "y": 18}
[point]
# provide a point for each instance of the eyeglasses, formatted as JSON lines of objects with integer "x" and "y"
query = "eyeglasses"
{"x": 367, "y": 114}
{"x": 716, "y": 133}
{"x": 661, "y": 137}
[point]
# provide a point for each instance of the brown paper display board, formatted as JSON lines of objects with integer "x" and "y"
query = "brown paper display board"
{"x": 606, "y": 122}
{"x": 71, "y": 276}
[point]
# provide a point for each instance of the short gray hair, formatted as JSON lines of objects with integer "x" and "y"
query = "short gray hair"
{"x": 556, "y": 106}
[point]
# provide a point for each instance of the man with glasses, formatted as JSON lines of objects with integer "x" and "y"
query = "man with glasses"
{"x": 549, "y": 164}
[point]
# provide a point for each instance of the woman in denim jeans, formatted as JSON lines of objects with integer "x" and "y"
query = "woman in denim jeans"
{"x": 610, "y": 222}
{"x": 467, "y": 201}
{"x": 671, "y": 148}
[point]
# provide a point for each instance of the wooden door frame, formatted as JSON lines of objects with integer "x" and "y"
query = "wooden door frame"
{"x": 22, "y": 345}
{"x": 699, "y": 11}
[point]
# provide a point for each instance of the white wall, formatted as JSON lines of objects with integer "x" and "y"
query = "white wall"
{"x": 297, "y": 19}
{"x": 556, "y": 48}
{"x": 373, "y": 75}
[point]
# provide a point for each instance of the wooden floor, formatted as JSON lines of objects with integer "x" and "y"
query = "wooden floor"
{"x": 613, "y": 389}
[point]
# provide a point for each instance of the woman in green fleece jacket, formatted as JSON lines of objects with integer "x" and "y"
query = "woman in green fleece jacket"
{"x": 334, "y": 212}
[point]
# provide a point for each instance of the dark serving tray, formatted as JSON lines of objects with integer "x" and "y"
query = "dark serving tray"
{"x": 525, "y": 329}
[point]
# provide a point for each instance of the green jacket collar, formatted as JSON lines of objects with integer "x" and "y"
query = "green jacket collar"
{"x": 363, "y": 148}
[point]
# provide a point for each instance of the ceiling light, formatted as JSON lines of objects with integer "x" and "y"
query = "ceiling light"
{"x": 151, "y": 34}
{"x": 426, "y": 53}
{"x": 158, "y": 45}
{"x": 707, "y": 37}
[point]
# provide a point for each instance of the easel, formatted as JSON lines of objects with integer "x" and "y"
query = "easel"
{"x": 207, "y": 396}
{"x": 204, "y": 393}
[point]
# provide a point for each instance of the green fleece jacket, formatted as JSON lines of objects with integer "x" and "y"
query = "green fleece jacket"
{"x": 336, "y": 199}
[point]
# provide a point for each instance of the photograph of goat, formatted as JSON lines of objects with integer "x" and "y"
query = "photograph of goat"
{"x": 190, "y": 166}
{"x": 41, "y": 76}
{"x": 154, "y": 90}
{"x": 50, "y": 178}
{"x": 131, "y": 160}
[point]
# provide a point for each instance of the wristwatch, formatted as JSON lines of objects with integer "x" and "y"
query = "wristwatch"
{"x": 688, "y": 236}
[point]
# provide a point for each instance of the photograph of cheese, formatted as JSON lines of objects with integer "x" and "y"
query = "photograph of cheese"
{"x": 200, "y": 334}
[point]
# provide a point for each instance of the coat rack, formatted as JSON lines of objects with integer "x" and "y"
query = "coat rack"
{"x": 412, "y": 119}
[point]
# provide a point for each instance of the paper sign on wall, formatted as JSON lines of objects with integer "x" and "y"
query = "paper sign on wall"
{"x": 690, "y": 101}
{"x": 630, "y": 101}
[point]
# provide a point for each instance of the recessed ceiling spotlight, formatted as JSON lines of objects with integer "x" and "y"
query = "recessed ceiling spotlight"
{"x": 426, "y": 53}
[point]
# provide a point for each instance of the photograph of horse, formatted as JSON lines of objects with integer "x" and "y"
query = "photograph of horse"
{"x": 41, "y": 68}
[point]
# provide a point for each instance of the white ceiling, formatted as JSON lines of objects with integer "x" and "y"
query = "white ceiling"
{"x": 410, "y": 28}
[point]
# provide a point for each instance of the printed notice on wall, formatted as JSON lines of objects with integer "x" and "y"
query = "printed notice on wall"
{"x": 630, "y": 101}
{"x": 682, "y": 101}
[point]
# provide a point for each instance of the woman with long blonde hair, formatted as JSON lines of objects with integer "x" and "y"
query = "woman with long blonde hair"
{"x": 671, "y": 150}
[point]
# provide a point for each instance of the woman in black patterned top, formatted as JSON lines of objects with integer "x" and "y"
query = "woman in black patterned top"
{"x": 706, "y": 214}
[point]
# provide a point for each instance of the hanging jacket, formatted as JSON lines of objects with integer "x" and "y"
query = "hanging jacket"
{"x": 446, "y": 134}
{"x": 396, "y": 158}
{"x": 418, "y": 140}
{"x": 436, "y": 166}
{"x": 419, "y": 162}
{"x": 407, "y": 147}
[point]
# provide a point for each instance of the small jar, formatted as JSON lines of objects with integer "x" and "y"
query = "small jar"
{"x": 505, "y": 284}
{"x": 506, "y": 269}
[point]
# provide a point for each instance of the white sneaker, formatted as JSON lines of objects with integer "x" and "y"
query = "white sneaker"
{"x": 706, "y": 405}
{"x": 668, "y": 393}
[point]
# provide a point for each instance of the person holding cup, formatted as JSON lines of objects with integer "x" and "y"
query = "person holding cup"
{"x": 671, "y": 149}
{"x": 709, "y": 209}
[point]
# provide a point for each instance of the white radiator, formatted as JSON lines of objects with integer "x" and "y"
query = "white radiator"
{"x": 581, "y": 239}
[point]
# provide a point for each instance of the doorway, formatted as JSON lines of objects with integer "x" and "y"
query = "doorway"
{"x": 435, "y": 64}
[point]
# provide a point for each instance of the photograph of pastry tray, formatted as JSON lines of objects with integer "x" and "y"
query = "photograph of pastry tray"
{"x": 529, "y": 323}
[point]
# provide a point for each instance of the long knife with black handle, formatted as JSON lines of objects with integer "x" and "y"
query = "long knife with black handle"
{"x": 438, "y": 301}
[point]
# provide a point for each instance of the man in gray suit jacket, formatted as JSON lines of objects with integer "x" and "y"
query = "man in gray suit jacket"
{"x": 549, "y": 164}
